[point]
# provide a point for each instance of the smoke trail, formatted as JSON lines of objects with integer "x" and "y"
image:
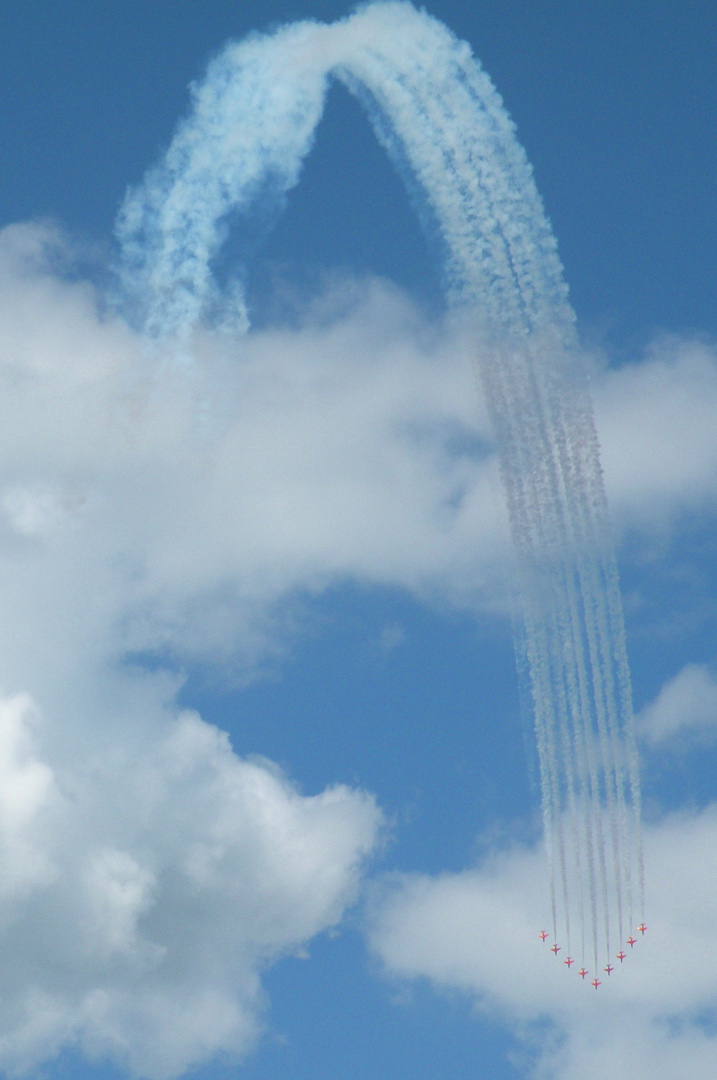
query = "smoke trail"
{"x": 444, "y": 126}
{"x": 252, "y": 124}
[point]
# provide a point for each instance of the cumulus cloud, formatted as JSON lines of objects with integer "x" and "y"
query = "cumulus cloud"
{"x": 657, "y": 432}
{"x": 685, "y": 709}
{"x": 143, "y": 893}
{"x": 202, "y": 493}
{"x": 177, "y": 502}
{"x": 175, "y": 506}
{"x": 182, "y": 507}
{"x": 477, "y": 931}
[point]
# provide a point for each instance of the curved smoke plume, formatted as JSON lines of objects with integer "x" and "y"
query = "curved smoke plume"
{"x": 444, "y": 126}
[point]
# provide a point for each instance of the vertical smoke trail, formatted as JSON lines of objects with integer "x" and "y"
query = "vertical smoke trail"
{"x": 252, "y": 124}
{"x": 444, "y": 126}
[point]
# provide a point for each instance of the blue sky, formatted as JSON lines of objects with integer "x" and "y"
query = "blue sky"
{"x": 353, "y": 884}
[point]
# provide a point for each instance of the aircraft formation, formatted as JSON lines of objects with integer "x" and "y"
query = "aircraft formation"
{"x": 583, "y": 971}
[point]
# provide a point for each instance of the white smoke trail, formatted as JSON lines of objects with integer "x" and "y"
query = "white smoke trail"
{"x": 444, "y": 126}
{"x": 252, "y": 124}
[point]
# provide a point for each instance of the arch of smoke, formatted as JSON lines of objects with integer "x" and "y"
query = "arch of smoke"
{"x": 444, "y": 126}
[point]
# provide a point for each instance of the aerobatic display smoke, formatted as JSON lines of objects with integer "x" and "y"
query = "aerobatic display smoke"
{"x": 445, "y": 128}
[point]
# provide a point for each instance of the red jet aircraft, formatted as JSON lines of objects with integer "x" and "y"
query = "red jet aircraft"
{"x": 609, "y": 968}
{"x": 642, "y": 928}
{"x": 569, "y": 961}
{"x": 555, "y": 949}
{"x": 595, "y": 983}
{"x": 631, "y": 941}
{"x": 583, "y": 972}
{"x": 621, "y": 956}
{"x": 543, "y": 934}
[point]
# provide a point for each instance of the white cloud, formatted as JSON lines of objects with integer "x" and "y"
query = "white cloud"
{"x": 148, "y": 874}
{"x": 179, "y": 503}
{"x": 477, "y": 931}
{"x": 685, "y": 708}
{"x": 658, "y": 434}
{"x": 146, "y": 503}
{"x": 144, "y": 893}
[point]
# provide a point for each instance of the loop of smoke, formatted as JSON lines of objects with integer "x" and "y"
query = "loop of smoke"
{"x": 444, "y": 126}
